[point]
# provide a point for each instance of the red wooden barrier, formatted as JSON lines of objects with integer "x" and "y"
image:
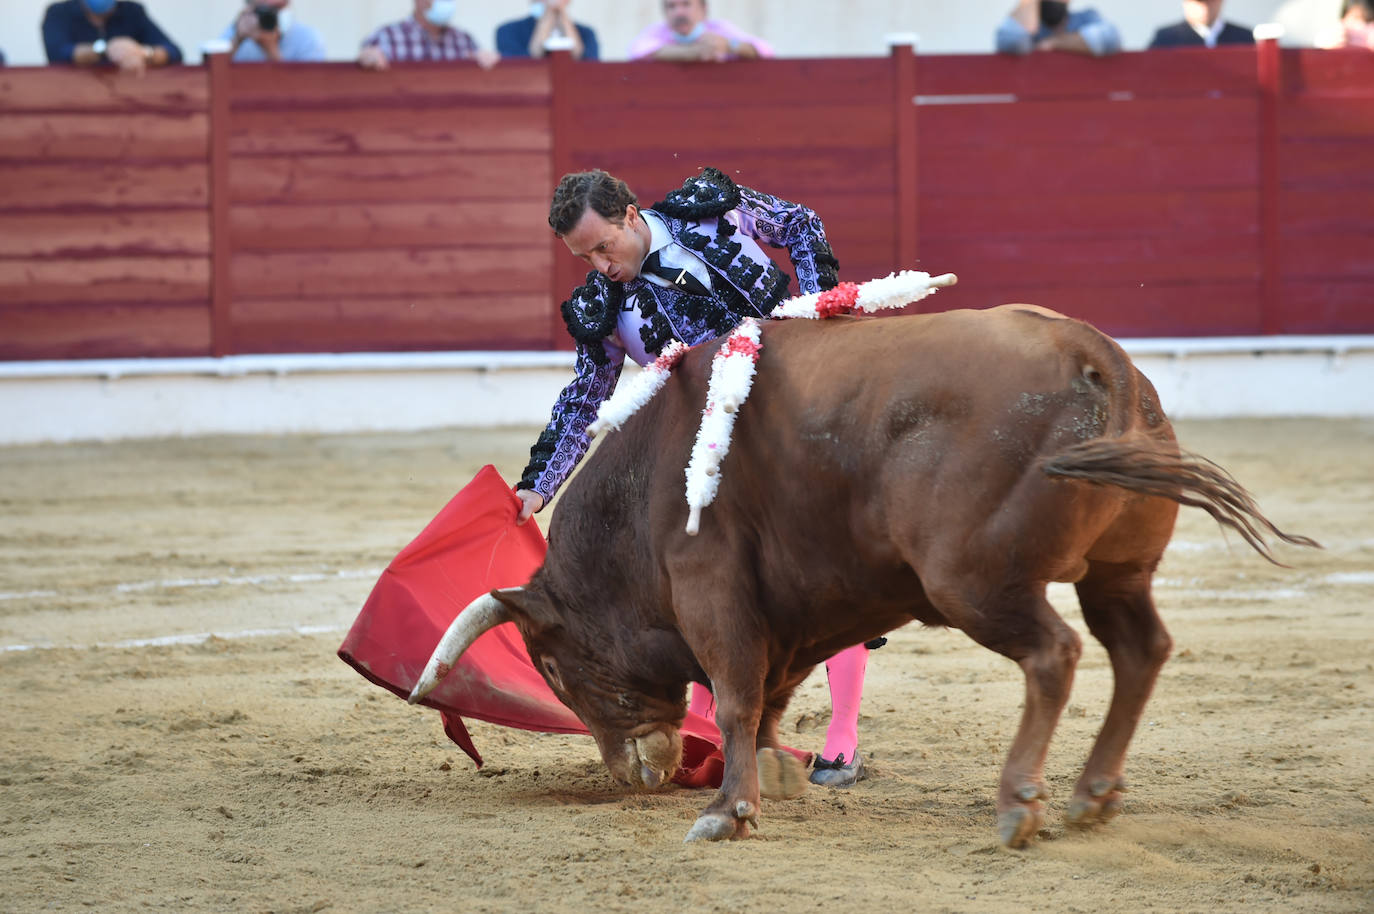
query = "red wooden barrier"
{"x": 103, "y": 235}
{"x": 321, "y": 208}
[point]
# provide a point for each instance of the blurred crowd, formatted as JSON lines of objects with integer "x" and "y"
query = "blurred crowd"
{"x": 121, "y": 33}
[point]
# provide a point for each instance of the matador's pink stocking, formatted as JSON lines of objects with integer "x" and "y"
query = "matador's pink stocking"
{"x": 845, "y": 672}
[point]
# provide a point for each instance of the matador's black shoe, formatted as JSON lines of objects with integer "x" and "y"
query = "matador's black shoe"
{"x": 836, "y": 773}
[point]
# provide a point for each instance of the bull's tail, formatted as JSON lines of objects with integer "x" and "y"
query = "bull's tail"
{"x": 1140, "y": 464}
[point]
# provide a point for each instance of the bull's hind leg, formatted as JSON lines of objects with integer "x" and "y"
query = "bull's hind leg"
{"x": 1120, "y": 613}
{"x": 1020, "y": 623}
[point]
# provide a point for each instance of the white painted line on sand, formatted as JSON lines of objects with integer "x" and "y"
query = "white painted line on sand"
{"x": 172, "y": 640}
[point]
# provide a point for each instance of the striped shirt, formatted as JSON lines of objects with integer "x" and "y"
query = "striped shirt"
{"x": 408, "y": 40}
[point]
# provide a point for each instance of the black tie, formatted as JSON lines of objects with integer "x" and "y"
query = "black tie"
{"x": 677, "y": 276}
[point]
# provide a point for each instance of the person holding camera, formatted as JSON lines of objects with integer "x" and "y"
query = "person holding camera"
{"x": 1047, "y": 25}
{"x": 266, "y": 30}
{"x": 95, "y": 33}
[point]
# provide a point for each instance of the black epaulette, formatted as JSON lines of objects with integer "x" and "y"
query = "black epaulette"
{"x": 592, "y": 309}
{"x": 704, "y": 196}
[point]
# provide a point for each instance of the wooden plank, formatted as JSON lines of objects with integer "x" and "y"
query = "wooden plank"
{"x": 1327, "y": 305}
{"x": 994, "y": 171}
{"x": 391, "y": 323}
{"x": 77, "y": 236}
{"x": 1319, "y": 256}
{"x": 1166, "y": 309}
{"x": 1124, "y": 261}
{"x": 1309, "y": 72}
{"x": 389, "y": 178}
{"x": 37, "y": 89}
{"x": 88, "y": 137}
{"x": 704, "y": 124}
{"x": 1197, "y": 214}
{"x": 1307, "y": 117}
{"x": 434, "y": 271}
{"x": 1181, "y": 72}
{"x": 107, "y": 185}
{"x": 110, "y": 279}
{"x": 413, "y": 85}
{"x": 1093, "y": 122}
{"x": 905, "y": 125}
{"x": 1328, "y": 211}
{"x": 221, "y": 251}
{"x": 1267, "y": 154}
{"x": 355, "y": 131}
{"x": 790, "y": 174}
{"x": 1326, "y": 165}
{"x": 94, "y": 330}
{"x": 349, "y": 226}
{"x": 790, "y": 85}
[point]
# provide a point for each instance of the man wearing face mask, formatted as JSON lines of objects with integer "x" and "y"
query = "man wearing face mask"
{"x": 266, "y": 30}
{"x": 93, "y": 33}
{"x": 1202, "y": 27}
{"x": 686, "y": 35}
{"x": 1044, "y": 25}
{"x": 426, "y": 35}
{"x": 526, "y": 37}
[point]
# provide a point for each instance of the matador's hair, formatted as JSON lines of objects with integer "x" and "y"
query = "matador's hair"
{"x": 596, "y": 190}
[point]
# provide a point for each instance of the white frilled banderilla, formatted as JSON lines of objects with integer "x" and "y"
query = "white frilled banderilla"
{"x": 732, "y": 372}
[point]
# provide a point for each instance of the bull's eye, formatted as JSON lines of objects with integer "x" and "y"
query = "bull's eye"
{"x": 551, "y": 671}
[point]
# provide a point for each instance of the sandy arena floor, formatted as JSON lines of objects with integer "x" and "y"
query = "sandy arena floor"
{"x": 146, "y": 765}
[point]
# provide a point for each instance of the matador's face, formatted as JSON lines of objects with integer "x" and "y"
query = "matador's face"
{"x": 616, "y": 250}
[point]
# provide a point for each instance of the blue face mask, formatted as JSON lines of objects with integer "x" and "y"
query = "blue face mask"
{"x": 440, "y": 12}
{"x": 537, "y": 10}
{"x": 99, "y": 7}
{"x": 697, "y": 31}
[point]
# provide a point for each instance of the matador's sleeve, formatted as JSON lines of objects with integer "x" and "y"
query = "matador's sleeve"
{"x": 789, "y": 225}
{"x": 564, "y": 440}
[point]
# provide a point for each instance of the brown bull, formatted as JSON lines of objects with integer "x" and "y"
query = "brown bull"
{"x": 940, "y": 468}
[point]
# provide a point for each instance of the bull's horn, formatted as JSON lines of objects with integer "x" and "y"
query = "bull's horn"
{"x": 480, "y": 616}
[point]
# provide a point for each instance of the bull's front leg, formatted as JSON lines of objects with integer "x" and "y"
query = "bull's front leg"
{"x": 736, "y": 805}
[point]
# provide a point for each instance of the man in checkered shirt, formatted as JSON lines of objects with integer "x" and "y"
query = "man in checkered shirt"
{"x": 426, "y": 35}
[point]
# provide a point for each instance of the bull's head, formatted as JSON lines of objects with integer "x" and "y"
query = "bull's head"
{"x": 625, "y": 688}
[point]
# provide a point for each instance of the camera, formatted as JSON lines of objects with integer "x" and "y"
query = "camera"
{"x": 267, "y": 17}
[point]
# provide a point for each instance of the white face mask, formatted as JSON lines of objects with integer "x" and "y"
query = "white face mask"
{"x": 537, "y": 10}
{"x": 697, "y": 31}
{"x": 440, "y": 12}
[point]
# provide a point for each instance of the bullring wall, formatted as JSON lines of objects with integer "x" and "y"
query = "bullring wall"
{"x": 224, "y": 210}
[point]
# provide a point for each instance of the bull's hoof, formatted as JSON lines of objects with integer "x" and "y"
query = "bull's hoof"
{"x": 716, "y": 827}
{"x": 1018, "y": 825}
{"x": 1099, "y": 802}
{"x": 782, "y": 776}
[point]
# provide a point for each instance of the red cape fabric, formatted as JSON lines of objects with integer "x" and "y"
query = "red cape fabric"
{"x": 474, "y": 546}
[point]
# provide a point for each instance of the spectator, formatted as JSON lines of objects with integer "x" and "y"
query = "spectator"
{"x": 266, "y": 30}
{"x": 1355, "y": 30}
{"x": 1044, "y": 25}
{"x": 426, "y": 35}
{"x": 89, "y": 33}
{"x": 526, "y": 37}
{"x": 687, "y": 35}
{"x": 1202, "y": 26}
{"x": 2, "y": 58}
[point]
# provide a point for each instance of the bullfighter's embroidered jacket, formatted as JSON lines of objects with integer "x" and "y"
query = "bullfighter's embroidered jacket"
{"x": 718, "y": 221}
